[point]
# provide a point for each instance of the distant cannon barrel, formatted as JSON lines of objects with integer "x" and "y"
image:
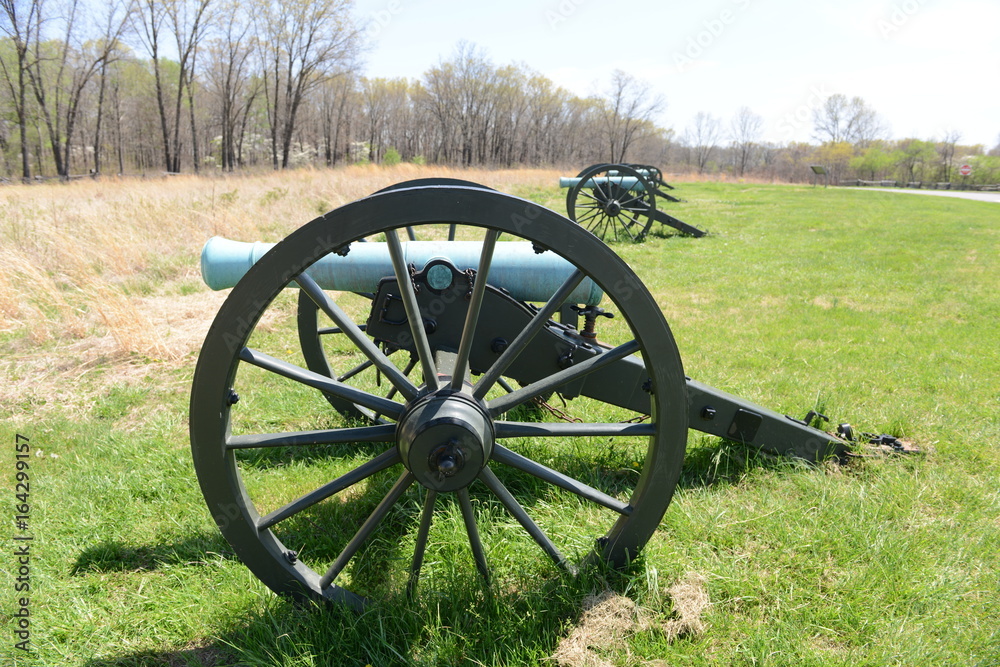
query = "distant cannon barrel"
{"x": 629, "y": 182}
{"x": 516, "y": 267}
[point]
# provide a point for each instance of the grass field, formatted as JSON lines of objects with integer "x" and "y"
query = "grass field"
{"x": 878, "y": 309}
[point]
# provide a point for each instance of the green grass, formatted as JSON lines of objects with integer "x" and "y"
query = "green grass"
{"x": 879, "y": 308}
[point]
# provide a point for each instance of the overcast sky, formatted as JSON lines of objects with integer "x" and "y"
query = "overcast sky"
{"x": 926, "y": 66}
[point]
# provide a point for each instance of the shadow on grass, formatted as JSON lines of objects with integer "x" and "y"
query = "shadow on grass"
{"x": 661, "y": 230}
{"x": 462, "y": 625}
{"x": 715, "y": 461}
{"x": 115, "y": 556}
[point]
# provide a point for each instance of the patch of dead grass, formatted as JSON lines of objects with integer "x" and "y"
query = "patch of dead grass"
{"x": 609, "y": 619}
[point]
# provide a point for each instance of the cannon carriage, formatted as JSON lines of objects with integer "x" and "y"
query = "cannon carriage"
{"x": 390, "y": 391}
{"x": 618, "y": 201}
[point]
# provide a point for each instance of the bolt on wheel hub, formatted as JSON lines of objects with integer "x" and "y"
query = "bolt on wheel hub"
{"x": 445, "y": 440}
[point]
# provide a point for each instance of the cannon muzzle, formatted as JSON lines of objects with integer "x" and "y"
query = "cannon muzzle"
{"x": 516, "y": 267}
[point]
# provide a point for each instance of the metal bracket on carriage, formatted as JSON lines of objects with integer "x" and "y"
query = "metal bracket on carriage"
{"x": 590, "y": 315}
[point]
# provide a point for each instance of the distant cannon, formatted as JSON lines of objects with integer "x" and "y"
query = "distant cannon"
{"x": 618, "y": 201}
{"x": 432, "y": 357}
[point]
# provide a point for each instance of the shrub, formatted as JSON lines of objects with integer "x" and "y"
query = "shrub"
{"x": 391, "y": 157}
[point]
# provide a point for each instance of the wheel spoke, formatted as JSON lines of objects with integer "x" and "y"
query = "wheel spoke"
{"x": 339, "y": 436}
{"x": 421, "y": 542}
{"x": 551, "y": 383}
{"x": 321, "y": 382}
{"x": 515, "y": 509}
{"x": 599, "y": 228}
{"x": 546, "y": 474}
{"x": 526, "y": 335}
{"x": 395, "y": 493}
{"x": 412, "y": 309}
{"x": 358, "y": 337}
{"x": 472, "y": 314}
{"x": 469, "y": 516}
{"x": 392, "y": 392}
{"x": 569, "y": 430}
{"x": 406, "y": 371}
{"x": 357, "y": 369}
{"x": 386, "y": 459}
{"x": 625, "y": 226}
{"x": 600, "y": 193}
{"x": 636, "y": 195}
{"x": 584, "y": 219}
{"x": 326, "y": 331}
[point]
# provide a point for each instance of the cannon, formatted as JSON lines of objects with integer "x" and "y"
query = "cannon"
{"x": 655, "y": 176}
{"x": 618, "y": 201}
{"x": 360, "y": 397}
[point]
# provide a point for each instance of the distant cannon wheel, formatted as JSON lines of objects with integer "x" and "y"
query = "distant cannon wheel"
{"x": 320, "y": 507}
{"x": 654, "y": 175}
{"x": 613, "y": 201}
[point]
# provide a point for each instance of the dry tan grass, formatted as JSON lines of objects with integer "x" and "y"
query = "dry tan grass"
{"x": 70, "y": 250}
{"x": 94, "y": 270}
{"x": 608, "y": 619}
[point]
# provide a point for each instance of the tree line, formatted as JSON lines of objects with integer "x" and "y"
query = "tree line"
{"x": 851, "y": 141}
{"x": 137, "y": 86}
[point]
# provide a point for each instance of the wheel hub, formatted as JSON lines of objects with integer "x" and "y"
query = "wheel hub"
{"x": 613, "y": 208}
{"x": 445, "y": 439}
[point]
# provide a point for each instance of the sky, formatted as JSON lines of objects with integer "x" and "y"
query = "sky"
{"x": 928, "y": 67}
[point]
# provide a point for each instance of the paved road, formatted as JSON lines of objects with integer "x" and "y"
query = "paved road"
{"x": 978, "y": 196}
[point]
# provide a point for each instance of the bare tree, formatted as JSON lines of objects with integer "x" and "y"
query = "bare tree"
{"x": 864, "y": 124}
{"x": 302, "y": 43}
{"x": 229, "y": 79}
{"x": 184, "y": 18}
{"x": 840, "y": 119}
{"x": 150, "y": 18}
{"x": 946, "y": 152}
{"x": 339, "y": 105}
{"x": 704, "y": 136}
{"x": 116, "y": 20}
{"x": 189, "y": 21}
{"x": 629, "y": 105}
{"x": 21, "y": 19}
{"x": 745, "y": 131}
{"x": 457, "y": 94}
{"x": 437, "y": 97}
{"x": 830, "y": 120}
{"x": 383, "y": 100}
